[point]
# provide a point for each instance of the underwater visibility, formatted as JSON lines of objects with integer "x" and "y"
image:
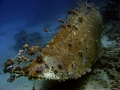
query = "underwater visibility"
{"x": 60, "y": 45}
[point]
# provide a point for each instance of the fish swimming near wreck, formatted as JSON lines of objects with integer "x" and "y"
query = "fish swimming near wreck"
{"x": 70, "y": 54}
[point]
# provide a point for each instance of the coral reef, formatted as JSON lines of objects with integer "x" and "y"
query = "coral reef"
{"x": 111, "y": 30}
{"x": 110, "y": 13}
{"x": 106, "y": 70}
{"x": 110, "y": 10}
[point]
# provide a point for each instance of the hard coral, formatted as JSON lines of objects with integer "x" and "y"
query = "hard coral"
{"x": 72, "y": 75}
{"x": 26, "y": 47}
{"x": 39, "y": 59}
{"x": 40, "y": 68}
{"x": 63, "y": 25}
{"x": 60, "y": 20}
{"x": 30, "y": 52}
{"x": 25, "y": 69}
{"x": 9, "y": 62}
{"x": 70, "y": 11}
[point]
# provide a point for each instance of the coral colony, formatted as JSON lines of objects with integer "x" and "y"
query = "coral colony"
{"x": 69, "y": 55}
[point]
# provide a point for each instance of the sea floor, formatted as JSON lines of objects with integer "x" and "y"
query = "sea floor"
{"x": 84, "y": 83}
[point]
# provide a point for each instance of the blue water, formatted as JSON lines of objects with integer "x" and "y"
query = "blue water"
{"x": 30, "y": 16}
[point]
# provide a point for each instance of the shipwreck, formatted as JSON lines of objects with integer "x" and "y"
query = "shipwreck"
{"x": 69, "y": 55}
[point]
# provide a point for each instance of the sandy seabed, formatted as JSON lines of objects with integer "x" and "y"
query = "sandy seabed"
{"x": 22, "y": 83}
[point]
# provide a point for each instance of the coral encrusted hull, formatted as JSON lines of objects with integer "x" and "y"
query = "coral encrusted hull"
{"x": 69, "y": 55}
{"x": 73, "y": 50}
